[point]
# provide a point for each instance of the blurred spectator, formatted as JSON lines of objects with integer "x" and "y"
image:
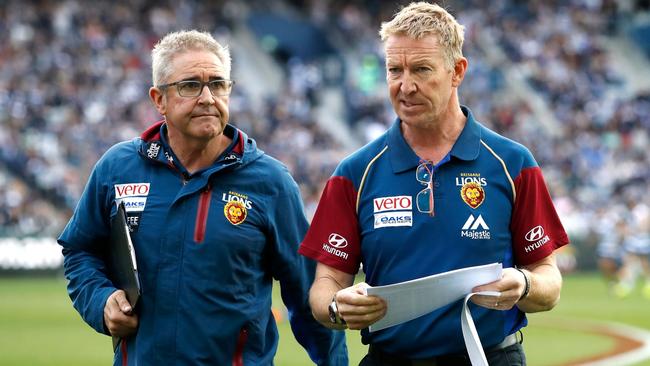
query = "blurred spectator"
{"x": 24, "y": 214}
{"x": 610, "y": 231}
{"x": 636, "y": 245}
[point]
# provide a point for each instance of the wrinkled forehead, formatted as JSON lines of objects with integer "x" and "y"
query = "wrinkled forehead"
{"x": 401, "y": 46}
{"x": 411, "y": 52}
{"x": 192, "y": 61}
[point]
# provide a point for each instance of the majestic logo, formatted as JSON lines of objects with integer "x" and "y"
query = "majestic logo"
{"x": 475, "y": 228}
{"x": 235, "y": 212}
{"x": 238, "y": 197}
{"x": 537, "y": 237}
{"x": 393, "y": 211}
{"x": 535, "y": 233}
{"x": 473, "y": 194}
{"x": 153, "y": 150}
{"x": 473, "y": 224}
{"x": 337, "y": 241}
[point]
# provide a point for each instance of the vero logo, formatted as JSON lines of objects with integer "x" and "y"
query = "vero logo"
{"x": 394, "y": 203}
{"x": 131, "y": 190}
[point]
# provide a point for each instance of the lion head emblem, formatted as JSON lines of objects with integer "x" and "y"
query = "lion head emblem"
{"x": 235, "y": 212}
{"x": 473, "y": 194}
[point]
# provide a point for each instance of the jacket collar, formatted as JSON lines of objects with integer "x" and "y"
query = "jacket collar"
{"x": 155, "y": 147}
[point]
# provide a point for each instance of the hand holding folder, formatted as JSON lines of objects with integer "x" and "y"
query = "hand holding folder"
{"x": 122, "y": 265}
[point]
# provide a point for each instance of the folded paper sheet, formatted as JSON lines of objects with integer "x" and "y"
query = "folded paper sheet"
{"x": 411, "y": 299}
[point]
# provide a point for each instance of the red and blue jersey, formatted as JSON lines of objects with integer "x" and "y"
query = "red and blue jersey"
{"x": 490, "y": 204}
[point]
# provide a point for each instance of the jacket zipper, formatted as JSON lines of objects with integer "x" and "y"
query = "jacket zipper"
{"x": 238, "y": 357}
{"x": 202, "y": 215}
{"x": 124, "y": 349}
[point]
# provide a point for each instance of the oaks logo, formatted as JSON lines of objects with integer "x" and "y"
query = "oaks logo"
{"x": 235, "y": 212}
{"x": 473, "y": 194}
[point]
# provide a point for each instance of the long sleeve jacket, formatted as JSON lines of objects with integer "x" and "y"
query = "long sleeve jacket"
{"x": 208, "y": 247}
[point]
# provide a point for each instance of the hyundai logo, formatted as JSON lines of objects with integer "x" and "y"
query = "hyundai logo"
{"x": 337, "y": 241}
{"x": 535, "y": 233}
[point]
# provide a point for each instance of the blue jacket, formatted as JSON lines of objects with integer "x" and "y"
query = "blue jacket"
{"x": 208, "y": 247}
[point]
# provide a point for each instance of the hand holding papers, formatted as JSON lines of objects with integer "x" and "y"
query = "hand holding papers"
{"x": 411, "y": 299}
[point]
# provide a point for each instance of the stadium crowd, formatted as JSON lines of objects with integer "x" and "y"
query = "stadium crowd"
{"x": 600, "y": 156}
{"x": 73, "y": 80}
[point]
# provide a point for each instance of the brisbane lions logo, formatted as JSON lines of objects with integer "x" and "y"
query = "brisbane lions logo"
{"x": 473, "y": 194}
{"x": 235, "y": 212}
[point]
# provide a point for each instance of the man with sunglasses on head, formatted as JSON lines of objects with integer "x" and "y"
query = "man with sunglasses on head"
{"x": 437, "y": 192}
{"x": 213, "y": 221}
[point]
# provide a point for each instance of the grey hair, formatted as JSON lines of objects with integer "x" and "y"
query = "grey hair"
{"x": 421, "y": 19}
{"x": 173, "y": 43}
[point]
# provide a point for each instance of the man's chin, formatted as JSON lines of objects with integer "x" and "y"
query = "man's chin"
{"x": 211, "y": 129}
{"x": 410, "y": 119}
{"x": 204, "y": 134}
{"x": 212, "y": 132}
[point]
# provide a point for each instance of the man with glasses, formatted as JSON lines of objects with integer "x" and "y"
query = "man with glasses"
{"x": 437, "y": 192}
{"x": 213, "y": 221}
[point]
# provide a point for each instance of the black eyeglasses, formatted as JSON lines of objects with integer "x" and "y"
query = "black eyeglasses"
{"x": 194, "y": 88}
{"x": 424, "y": 199}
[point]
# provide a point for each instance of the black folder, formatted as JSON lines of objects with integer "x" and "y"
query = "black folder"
{"x": 122, "y": 265}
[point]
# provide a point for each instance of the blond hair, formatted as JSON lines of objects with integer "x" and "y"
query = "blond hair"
{"x": 421, "y": 19}
{"x": 176, "y": 42}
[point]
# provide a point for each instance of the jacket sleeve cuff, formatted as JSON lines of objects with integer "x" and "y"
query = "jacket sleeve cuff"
{"x": 96, "y": 316}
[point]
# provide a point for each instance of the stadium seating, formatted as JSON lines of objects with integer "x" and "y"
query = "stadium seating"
{"x": 74, "y": 80}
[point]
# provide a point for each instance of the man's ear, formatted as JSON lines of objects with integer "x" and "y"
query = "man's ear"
{"x": 459, "y": 72}
{"x": 159, "y": 99}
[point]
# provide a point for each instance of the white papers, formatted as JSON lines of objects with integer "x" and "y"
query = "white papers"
{"x": 411, "y": 299}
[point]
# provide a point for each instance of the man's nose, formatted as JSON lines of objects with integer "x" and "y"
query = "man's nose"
{"x": 206, "y": 95}
{"x": 408, "y": 85}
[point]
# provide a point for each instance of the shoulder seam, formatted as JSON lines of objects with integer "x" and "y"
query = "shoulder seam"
{"x": 505, "y": 169}
{"x": 365, "y": 174}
